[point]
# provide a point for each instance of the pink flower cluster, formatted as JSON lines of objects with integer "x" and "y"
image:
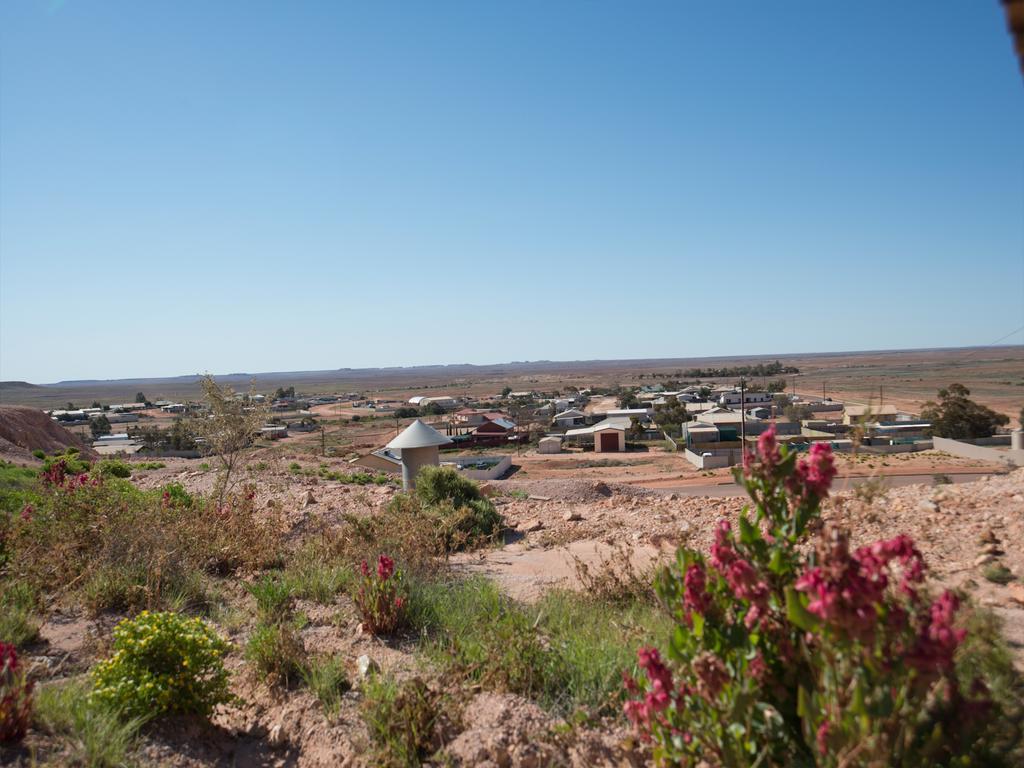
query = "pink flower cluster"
{"x": 15, "y": 695}
{"x": 56, "y": 473}
{"x": 768, "y": 454}
{"x": 642, "y": 712}
{"x": 846, "y": 589}
{"x": 695, "y": 593}
{"x": 57, "y": 476}
{"x": 741, "y": 576}
{"x": 385, "y": 568}
{"x": 938, "y": 639}
{"x": 813, "y": 476}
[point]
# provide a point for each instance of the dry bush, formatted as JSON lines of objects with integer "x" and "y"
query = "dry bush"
{"x": 119, "y": 547}
{"x": 616, "y": 578}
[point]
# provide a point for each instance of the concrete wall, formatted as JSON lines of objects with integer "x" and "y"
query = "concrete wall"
{"x": 707, "y": 462}
{"x": 981, "y": 452}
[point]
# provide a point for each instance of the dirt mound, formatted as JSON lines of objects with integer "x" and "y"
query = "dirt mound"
{"x": 571, "y": 490}
{"x": 23, "y": 430}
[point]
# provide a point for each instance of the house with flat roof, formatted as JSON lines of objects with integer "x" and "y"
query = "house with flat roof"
{"x": 858, "y": 414}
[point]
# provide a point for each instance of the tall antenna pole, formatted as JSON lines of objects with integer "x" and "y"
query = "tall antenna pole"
{"x": 743, "y": 416}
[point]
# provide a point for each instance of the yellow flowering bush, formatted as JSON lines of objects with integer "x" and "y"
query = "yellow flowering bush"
{"x": 163, "y": 663}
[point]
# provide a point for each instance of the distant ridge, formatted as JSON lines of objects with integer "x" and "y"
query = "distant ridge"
{"x": 454, "y": 369}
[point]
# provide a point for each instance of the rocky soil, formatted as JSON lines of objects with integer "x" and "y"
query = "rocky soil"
{"x": 963, "y": 530}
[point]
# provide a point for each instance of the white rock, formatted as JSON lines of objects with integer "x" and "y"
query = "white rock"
{"x": 366, "y": 666}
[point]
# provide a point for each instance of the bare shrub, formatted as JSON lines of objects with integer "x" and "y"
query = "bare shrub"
{"x": 228, "y": 430}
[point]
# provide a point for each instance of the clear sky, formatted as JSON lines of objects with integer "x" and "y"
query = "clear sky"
{"x": 255, "y": 186}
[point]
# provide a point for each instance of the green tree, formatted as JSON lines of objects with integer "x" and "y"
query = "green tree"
{"x": 99, "y": 426}
{"x": 779, "y": 385}
{"x": 636, "y": 429}
{"x": 628, "y": 400}
{"x": 506, "y": 391}
{"x": 140, "y": 397}
{"x": 283, "y": 393}
{"x": 671, "y": 415}
{"x": 958, "y": 417}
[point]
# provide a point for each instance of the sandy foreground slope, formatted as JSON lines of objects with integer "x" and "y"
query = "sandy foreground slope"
{"x": 961, "y": 529}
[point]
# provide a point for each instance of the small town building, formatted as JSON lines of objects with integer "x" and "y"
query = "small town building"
{"x": 499, "y": 426}
{"x": 610, "y": 437}
{"x": 858, "y": 414}
{"x": 550, "y": 444}
{"x": 570, "y": 418}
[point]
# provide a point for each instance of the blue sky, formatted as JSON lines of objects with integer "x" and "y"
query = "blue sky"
{"x": 254, "y": 186}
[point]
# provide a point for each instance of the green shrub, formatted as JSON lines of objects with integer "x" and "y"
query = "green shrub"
{"x": 326, "y": 677}
{"x": 114, "y": 468}
{"x": 453, "y": 505}
{"x": 175, "y": 494}
{"x": 72, "y": 465}
{"x": 18, "y": 623}
{"x": 998, "y": 573}
{"x": 408, "y": 722}
{"x": 436, "y": 485}
{"x": 162, "y": 663}
{"x": 273, "y": 597}
{"x": 566, "y": 651}
{"x": 149, "y": 465}
{"x": 276, "y": 651}
{"x": 313, "y": 575}
{"x": 90, "y": 733}
{"x": 39, "y": 454}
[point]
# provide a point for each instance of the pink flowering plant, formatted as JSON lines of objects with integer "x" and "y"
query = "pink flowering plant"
{"x": 783, "y": 655}
{"x": 15, "y": 695}
{"x": 381, "y": 597}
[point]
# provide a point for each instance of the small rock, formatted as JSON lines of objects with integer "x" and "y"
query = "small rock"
{"x": 988, "y": 537}
{"x": 673, "y": 497}
{"x": 1016, "y": 590}
{"x": 572, "y": 516}
{"x": 991, "y": 549}
{"x": 308, "y": 499}
{"x": 927, "y": 505}
{"x": 533, "y": 525}
{"x": 602, "y": 488}
{"x": 366, "y": 666}
{"x": 276, "y": 737}
{"x": 984, "y": 559}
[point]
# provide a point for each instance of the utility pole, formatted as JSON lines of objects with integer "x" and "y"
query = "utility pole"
{"x": 822, "y": 389}
{"x": 743, "y": 415}
{"x": 323, "y": 441}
